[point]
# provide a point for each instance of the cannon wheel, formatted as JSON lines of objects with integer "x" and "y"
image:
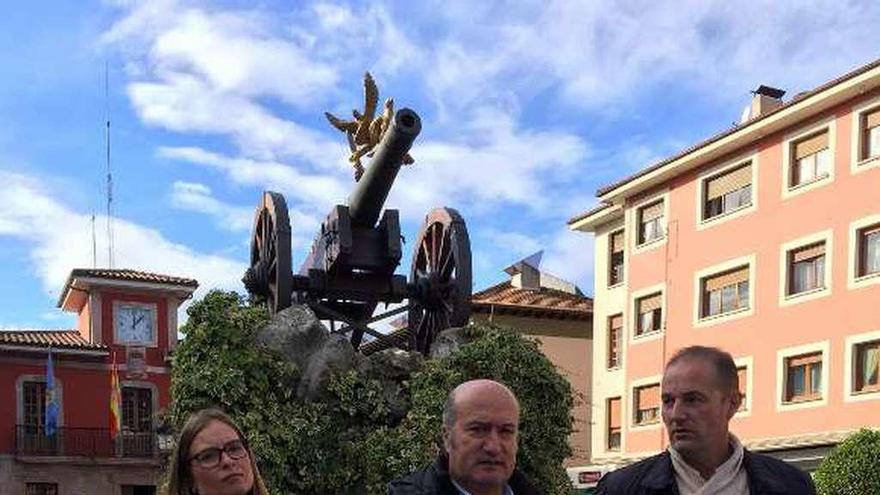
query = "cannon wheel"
{"x": 441, "y": 277}
{"x": 269, "y": 274}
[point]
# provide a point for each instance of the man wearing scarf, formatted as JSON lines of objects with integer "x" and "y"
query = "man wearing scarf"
{"x": 700, "y": 394}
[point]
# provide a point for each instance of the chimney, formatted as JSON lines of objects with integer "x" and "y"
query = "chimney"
{"x": 524, "y": 274}
{"x": 765, "y": 100}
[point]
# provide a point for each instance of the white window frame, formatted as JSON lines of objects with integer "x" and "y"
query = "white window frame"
{"x": 634, "y": 223}
{"x": 19, "y": 394}
{"x": 608, "y": 421}
{"x": 631, "y": 418}
{"x": 849, "y": 371}
{"x": 789, "y": 191}
{"x": 853, "y": 280}
{"x": 721, "y": 169}
{"x": 608, "y": 251}
{"x": 699, "y": 320}
{"x": 748, "y": 363}
{"x": 631, "y": 317}
{"x": 782, "y": 356}
{"x": 786, "y": 299}
{"x": 620, "y": 342}
{"x": 154, "y": 397}
{"x": 857, "y": 165}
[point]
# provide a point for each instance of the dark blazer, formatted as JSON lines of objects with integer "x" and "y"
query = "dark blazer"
{"x": 655, "y": 476}
{"x": 435, "y": 480}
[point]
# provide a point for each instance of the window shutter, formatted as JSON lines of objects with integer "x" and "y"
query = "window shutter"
{"x": 808, "y": 252}
{"x": 615, "y": 321}
{"x": 734, "y": 277}
{"x": 649, "y": 303}
{"x": 729, "y": 182}
{"x": 872, "y": 118}
{"x": 617, "y": 242}
{"x": 648, "y": 397}
{"x": 614, "y": 412}
{"x": 804, "y": 360}
{"x": 651, "y": 212}
{"x": 810, "y": 145}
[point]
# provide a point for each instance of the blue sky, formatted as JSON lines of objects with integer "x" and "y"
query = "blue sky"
{"x": 527, "y": 108}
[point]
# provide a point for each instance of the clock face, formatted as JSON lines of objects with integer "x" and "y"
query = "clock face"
{"x": 135, "y": 323}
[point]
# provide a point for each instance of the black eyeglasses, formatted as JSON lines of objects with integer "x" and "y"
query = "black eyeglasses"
{"x": 210, "y": 458}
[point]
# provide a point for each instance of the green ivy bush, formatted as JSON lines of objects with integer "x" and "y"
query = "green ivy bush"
{"x": 347, "y": 443}
{"x": 853, "y": 467}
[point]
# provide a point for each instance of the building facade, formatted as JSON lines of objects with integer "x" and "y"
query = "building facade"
{"x": 553, "y": 312}
{"x": 124, "y": 317}
{"x": 560, "y": 317}
{"x": 765, "y": 241}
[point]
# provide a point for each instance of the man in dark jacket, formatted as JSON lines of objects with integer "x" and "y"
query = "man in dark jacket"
{"x": 480, "y": 435}
{"x": 700, "y": 394}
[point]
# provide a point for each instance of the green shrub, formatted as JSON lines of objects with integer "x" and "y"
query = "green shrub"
{"x": 347, "y": 442}
{"x": 853, "y": 467}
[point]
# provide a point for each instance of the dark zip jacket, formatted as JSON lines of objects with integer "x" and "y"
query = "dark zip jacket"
{"x": 435, "y": 480}
{"x": 655, "y": 476}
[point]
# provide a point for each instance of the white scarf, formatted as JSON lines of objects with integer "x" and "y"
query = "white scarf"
{"x": 729, "y": 479}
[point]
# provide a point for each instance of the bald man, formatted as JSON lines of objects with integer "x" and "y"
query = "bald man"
{"x": 480, "y": 434}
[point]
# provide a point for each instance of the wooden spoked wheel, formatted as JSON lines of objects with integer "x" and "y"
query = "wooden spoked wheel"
{"x": 269, "y": 275}
{"x": 440, "y": 277}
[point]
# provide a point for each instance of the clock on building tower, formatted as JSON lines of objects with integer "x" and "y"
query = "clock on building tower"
{"x": 135, "y": 323}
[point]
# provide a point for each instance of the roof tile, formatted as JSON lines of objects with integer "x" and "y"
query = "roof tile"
{"x": 66, "y": 339}
{"x": 132, "y": 275}
{"x": 542, "y": 299}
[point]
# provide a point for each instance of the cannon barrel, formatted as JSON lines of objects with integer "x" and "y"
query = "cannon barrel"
{"x": 366, "y": 203}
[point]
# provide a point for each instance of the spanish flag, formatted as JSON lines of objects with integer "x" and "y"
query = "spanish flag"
{"x": 115, "y": 399}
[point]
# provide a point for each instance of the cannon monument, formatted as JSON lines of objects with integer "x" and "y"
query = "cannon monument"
{"x": 351, "y": 267}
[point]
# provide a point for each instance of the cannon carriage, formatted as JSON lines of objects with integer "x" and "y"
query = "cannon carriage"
{"x": 351, "y": 267}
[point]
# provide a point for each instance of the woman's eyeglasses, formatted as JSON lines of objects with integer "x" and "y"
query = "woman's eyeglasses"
{"x": 210, "y": 458}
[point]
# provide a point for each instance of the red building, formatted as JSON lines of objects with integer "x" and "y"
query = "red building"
{"x": 124, "y": 317}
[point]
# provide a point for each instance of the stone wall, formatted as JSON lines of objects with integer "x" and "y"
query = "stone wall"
{"x": 77, "y": 476}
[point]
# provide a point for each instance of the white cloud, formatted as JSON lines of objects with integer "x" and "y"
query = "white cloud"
{"x": 183, "y": 103}
{"x": 232, "y": 53}
{"x": 489, "y": 164}
{"x": 517, "y": 245}
{"x": 60, "y": 239}
{"x": 210, "y": 70}
{"x": 321, "y": 191}
{"x": 569, "y": 255}
{"x": 199, "y": 198}
{"x": 601, "y": 53}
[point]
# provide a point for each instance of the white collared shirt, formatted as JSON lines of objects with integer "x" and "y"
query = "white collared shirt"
{"x": 507, "y": 489}
{"x": 728, "y": 479}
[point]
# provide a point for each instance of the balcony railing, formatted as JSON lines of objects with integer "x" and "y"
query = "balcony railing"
{"x": 84, "y": 442}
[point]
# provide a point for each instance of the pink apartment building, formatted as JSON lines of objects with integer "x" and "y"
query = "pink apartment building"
{"x": 763, "y": 240}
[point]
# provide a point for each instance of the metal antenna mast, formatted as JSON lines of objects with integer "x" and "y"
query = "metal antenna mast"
{"x": 94, "y": 244}
{"x": 109, "y": 173}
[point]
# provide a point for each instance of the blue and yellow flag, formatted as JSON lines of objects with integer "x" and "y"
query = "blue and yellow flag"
{"x": 51, "y": 398}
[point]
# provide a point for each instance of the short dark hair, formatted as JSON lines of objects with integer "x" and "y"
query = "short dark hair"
{"x": 726, "y": 375}
{"x": 449, "y": 410}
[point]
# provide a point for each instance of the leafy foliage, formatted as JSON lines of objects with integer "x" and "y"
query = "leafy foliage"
{"x": 348, "y": 443}
{"x": 853, "y": 468}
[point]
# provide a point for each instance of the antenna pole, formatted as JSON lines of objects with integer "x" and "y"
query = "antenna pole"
{"x": 94, "y": 244}
{"x": 109, "y": 172}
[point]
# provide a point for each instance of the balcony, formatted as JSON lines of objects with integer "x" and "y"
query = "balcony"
{"x": 84, "y": 442}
